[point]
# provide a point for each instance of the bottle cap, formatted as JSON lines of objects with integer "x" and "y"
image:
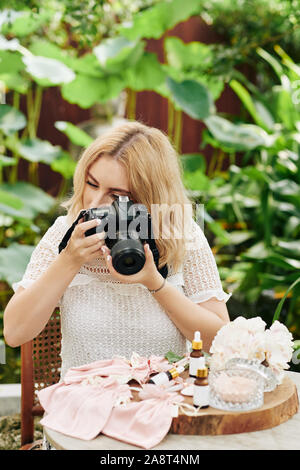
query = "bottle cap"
{"x": 201, "y": 369}
{"x": 197, "y": 342}
{"x": 176, "y": 371}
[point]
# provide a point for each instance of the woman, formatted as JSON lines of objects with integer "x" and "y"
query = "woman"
{"x": 104, "y": 313}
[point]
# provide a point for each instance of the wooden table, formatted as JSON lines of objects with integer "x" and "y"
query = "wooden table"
{"x": 286, "y": 436}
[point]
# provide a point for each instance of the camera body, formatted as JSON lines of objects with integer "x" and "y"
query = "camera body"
{"x": 126, "y": 226}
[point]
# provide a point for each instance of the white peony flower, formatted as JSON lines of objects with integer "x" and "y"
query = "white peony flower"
{"x": 279, "y": 347}
{"x": 241, "y": 338}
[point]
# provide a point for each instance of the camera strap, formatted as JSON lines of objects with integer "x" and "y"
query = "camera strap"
{"x": 68, "y": 234}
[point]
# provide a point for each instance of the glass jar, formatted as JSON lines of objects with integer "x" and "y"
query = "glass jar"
{"x": 235, "y": 389}
{"x": 270, "y": 380}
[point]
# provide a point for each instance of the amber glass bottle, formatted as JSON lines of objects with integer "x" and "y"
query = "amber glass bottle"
{"x": 201, "y": 387}
{"x": 195, "y": 354}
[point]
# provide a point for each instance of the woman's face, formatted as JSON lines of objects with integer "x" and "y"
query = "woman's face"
{"x": 105, "y": 180}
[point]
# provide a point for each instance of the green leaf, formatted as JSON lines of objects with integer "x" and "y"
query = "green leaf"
{"x": 239, "y": 236}
{"x": 285, "y": 187}
{"x": 74, "y": 133}
{"x": 154, "y": 21}
{"x": 11, "y": 62}
{"x": 11, "y": 200}
{"x": 13, "y": 262}
{"x": 11, "y": 120}
{"x": 192, "y": 97}
{"x": 64, "y": 165}
{"x": 51, "y": 70}
{"x": 256, "y": 252}
{"x": 279, "y": 307}
{"x": 172, "y": 357}
{"x": 35, "y": 200}
{"x": 15, "y": 82}
{"x": 290, "y": 246}
{"x": 147, "y": 73}
{"x": 7, "y": 161}
{"x": 196, "y": 180}
{"x": 246, "y": 99}
{"x": 193, "y": 55}
{"x": 236, "y": 137}
{"x": 36, "y": 150}
{"x": 27, "y": 24}
{"x": 86, "y": 90}
{"x": 193, "y": 161}
{"x": 115, "y": 53}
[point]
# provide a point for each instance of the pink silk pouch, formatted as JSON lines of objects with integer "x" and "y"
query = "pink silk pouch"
{"x": 80, "y": 410}
{"x": 144, "y": 423}
{"x": 139, "y": 368}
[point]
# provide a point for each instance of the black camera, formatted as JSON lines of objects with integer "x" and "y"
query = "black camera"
{"x": 127, "y": 228}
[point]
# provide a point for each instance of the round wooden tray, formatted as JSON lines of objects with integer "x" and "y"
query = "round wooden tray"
{"x": 279, "y": 406}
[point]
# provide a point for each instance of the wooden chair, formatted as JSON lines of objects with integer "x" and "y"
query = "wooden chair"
{"x": 40, "y": 367}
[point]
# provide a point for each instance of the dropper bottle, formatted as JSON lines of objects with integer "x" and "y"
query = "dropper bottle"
{"x": 195, "y": 354}
{"x": 165, "y": 377}
{"x": 201, "y": 387}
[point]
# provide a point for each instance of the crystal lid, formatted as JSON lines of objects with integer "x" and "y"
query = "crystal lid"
{"x": 265, "y": 372}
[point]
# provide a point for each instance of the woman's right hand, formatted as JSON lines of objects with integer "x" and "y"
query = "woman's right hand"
{"x": 81, "y": 249}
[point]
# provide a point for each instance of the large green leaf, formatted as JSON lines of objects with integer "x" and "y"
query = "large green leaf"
{"x": 192, "y": 97}
{"x": 10, "y": 200}
{"x": 238, "y": 137}
{"x": 28, "y": 23}
{"x": 13, "y": 262}
{"x": 36, "y": 150}
{"x": 146, "y": 74}
{"x": 193, "y": 161}
{"x": 7, "y": 161}
{"x": 87, "y": 90}
{"x": 48, "y": 71}
{"x": 11, "y": 119}
{"x": 77, "y": 136}
{"x": 196, "y": 180}
{"x": 35, "y": 200}
{"x": 64, "y": 165}
{"x": 11, "y": 62}
{"x": 115, "y": 53}
{"x": 15, "y": 82}
{"x": 193, "y": 55}
{"x": 154, "y": 21}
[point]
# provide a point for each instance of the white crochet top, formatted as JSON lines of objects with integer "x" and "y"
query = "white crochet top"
{"x": 101, "y": 317}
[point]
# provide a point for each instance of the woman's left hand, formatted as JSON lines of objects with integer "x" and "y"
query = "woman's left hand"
{"x": 149, "y": 275}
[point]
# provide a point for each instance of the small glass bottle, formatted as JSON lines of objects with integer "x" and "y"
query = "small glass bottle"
{"x": 165, "y": 377}
{"x": 201, "y": 387}
{"x": 195, "y": 355}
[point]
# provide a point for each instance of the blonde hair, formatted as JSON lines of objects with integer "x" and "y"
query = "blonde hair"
{"x": 155, "y": 178}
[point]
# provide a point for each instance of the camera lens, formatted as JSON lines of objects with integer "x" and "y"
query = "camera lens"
{"x": 128, "y": 256}
{"x": 128, "y": 261}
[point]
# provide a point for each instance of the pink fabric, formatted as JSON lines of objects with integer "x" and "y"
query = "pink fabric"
{"x": 85, "y": 403}
{"x": 140, "y": 371}
{"x": 143, "y": 423}
{"x": 80, "y": 410}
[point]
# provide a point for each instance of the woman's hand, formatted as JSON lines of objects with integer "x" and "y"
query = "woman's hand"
{"x": 149, "y": 276}
{"x": 81, "y": 249}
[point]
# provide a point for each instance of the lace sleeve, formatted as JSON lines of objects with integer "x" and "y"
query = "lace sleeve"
{"x": 43, "y": 254}
{"x": 200, "y": 273}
